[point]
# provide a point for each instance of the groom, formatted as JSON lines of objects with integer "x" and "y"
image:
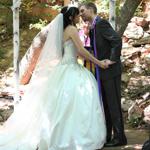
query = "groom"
{"x": 106, "y": 44}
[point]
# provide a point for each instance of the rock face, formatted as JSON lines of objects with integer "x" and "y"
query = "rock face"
{"x": 136, "y": 73}
{"x": 6, "y": 109}
{"x": 147, "y": 114}
{"x": 6, "y": 95}
{"x": 134, "y": 31}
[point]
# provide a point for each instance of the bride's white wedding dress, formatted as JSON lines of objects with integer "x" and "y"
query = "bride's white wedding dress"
{"x": 63, "y": 112}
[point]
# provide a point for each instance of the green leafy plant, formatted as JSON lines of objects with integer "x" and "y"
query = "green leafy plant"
{"x": 27, "y": 5}
{"x": 135, "y": 121}
{"x": 38, "y": 25}
{"x": 139, "y": 11}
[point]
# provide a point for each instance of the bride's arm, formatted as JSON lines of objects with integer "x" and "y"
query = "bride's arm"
{"x": 73, "y": 33}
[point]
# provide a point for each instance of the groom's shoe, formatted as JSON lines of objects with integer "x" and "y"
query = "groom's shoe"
{"x": 116, "y": 142}
{"x": 108, "y": 140}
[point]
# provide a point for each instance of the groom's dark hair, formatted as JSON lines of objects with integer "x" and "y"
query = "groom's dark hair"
{"x": 89, "y": 5}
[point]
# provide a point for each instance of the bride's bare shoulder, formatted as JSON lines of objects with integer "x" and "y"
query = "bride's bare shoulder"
{"x": 69, "y": 32}
{"x": 70, "y": 28}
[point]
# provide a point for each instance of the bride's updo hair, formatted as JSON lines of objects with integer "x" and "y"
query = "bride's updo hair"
{"x": 69, "y": 13}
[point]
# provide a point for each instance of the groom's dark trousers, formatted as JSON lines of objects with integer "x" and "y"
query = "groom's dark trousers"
{"x": 109, "y": 45}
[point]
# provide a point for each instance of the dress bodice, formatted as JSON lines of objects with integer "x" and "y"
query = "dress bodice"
{"x": 69, "y": 52}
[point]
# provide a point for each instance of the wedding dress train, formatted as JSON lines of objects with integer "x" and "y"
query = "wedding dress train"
{"x": 61, "y": 113}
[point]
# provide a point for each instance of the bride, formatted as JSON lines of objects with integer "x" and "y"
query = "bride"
{"x": 61, "y": 108}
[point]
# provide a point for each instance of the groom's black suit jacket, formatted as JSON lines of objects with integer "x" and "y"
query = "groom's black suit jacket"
{"x": 109, "y": 46}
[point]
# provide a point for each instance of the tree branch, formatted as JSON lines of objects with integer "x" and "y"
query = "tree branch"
{"x": 126, "y": 13}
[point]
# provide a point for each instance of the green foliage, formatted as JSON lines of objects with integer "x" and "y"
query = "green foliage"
{"x": 103, "y": 6}
{"x": 135, "y": 121}
{"x": 29, "y": 16}
{"x": 2, "y": 53}
{"x": 27, "y": 5}
{"x": 58, "y": 7}
{"x": 139, "y": 11}
{"x": 82, "y": 1}
{"x": 5, "y": 59}
{"x": 5, "y": 3}
{"x": 6, "y": 16}
{"x": 118, "y": 7}
{"x": 39, "y": 25}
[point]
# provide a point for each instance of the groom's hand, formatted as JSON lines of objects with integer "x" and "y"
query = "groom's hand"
{"x": 108, "y": 62}
{"x": 103, "y": 64}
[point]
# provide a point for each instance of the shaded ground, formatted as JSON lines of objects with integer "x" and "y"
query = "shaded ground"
{"x": 135, "y": 138}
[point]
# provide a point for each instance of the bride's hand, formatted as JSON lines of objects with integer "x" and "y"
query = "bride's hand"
{"x": 103, "y": 64}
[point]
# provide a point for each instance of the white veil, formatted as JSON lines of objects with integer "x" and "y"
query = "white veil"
{"x": 16, "y": 131}
{"x": 46, "y": 48}
{"x": 51, "y": 53}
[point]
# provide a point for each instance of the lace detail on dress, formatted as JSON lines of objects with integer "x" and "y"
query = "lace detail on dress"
{"x": 70, "y": 53}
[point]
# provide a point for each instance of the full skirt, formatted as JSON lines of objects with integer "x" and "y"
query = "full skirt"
{"x": 62, "y": 112}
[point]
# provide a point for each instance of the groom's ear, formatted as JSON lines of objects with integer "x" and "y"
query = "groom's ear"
{"x": 91, "y": 10}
